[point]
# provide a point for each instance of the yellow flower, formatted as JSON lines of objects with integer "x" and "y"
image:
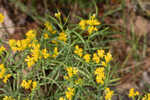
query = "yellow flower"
{"x": 92, "y": 21}
{"x": 54, "y": 41}
{"x": 13, "y": 44}
{"x": 71, "y": 71}
{"x": 96, "y": 58}
{"x": 45, "y": 54}
{"x": 87, "y": 57}
{"x": 69, "y": 93}
{"x": 27, "y": 99}
{"x": 6, "y": 78}
{"x": 19, "y": 45}
{"x": 31, "y": 34}
{"x": 2, "y": 48}
{"x": 133, "y": 93}
{"x": 24, "y": 84}
{"x": 100, "y": 75}
{"x": 100, "y": 53}
{"x": 49, "y": 27}
{"x": 35, "y": 52}
{"x": 34, "y": 84}
{"x": 146, "y": 97}
{"x": 1, "y": 18}
{"x": 66, "y": 77}
{"x": 104, "y": 64}
{"x": 55, "y": 53}
{"x": 78, "y": 51}
{"x": 82, "y": 24}
{"x": 108, "y": 57}
{"x": 2, "y": 71}
{"x": 27, "y": 84}
{"x": 78, "y": 82}
{"x": 30, "y": 61}
{"x": 62, "y": 37}
{"x": 46, "y": 36}
{"x": 57, "y": 15}
{"x": 8, "y": 98}
{"x": 61, "y": 98}
{"x": 91, "y": 29}
{"x": 108, "y": 93}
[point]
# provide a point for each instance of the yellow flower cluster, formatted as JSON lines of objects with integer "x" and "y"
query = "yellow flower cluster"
{"x": 57, "y": 15}
{"x": 71, "y": 71}
{"x": 29, "y": 84}
{"x": 146, "y": 97}
{"x": 46, "y": 36}
{"x": 133, "y": 93}
{"x": 35, "y": 55}
{"x": 78, "y": 51}
{"x": 31, "y": 35}
{"x": 2, "y": 48}
{"x": 90, "y": 24}
{"x": 3, "y": 74}
{"x": 55, "y": 53}
{"x": 20, "y": 45}
{"x": 69, "y": 93}
{"x": 1, "y": 18}
{"x": 100, "y": 75}
{"x": 87, "y": 58}
{"x": 62, "y": 37}
{"x": 8, "y": 98}
{"x": 97, "y": 57}
{"x": 44, "y": 53}
{"x": 108, "y": 94}
{"x": 61, "y": 98}
{"x": 49, "y": 27}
